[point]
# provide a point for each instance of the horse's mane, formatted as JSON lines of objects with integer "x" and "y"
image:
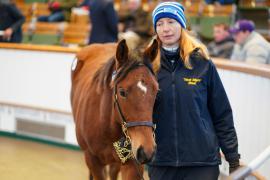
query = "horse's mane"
{"x": 103, "y": 76}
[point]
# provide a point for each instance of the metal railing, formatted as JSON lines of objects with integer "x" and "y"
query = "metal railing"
{"x": 245, "y": 171}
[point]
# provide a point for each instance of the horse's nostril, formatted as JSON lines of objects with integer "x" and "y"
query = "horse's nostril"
{"x": 141, "y": 156}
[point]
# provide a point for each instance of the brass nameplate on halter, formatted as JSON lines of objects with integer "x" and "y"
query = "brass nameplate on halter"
{"x": 123, "y": 149}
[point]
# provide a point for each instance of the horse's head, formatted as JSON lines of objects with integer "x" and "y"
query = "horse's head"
{"x": 135, "y": 89}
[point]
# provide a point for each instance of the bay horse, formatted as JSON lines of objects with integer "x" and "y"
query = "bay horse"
{"x": 112, "y": 96}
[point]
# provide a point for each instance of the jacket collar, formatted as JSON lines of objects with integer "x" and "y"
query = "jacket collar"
{"x": 165, "y": 61}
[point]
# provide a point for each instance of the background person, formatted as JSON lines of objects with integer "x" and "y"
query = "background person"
{"x": 221, "y": 2}
{"x": 250, "y": 46}
{"x": 11, "y": 20}
{"x": 138, "y": 28}
{"x": 193, "y": 114}
{"x": 60, "y": 10}
{"x": 223, "y": 43}
{"x": 104, "y": 21}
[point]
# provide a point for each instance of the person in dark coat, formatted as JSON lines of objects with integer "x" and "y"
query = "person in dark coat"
{"x": 138, "y": 22}
{"x": 192, "y": 112}
{"x": 11, "y": 20}
{"x": 104, "y": 21}
{"x": 222, "y": 2}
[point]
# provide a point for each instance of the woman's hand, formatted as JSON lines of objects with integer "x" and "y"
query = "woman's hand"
{"x": 7, "y": 33}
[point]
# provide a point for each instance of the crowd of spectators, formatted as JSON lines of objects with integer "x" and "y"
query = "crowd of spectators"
{"x": 240, "y": 42}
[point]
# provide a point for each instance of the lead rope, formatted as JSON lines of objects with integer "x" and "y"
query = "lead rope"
{"x": 125, "y": 131}
{"x": 137, "y": 168}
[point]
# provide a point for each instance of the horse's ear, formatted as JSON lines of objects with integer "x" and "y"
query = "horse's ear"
{"x": 152, "y": 51}
{"x": 121, "y": 53}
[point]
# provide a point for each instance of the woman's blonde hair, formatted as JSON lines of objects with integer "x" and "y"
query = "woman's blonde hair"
{"x": 187, "y": 44}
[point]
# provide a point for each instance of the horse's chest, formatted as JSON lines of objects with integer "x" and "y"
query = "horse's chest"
{"x": 106, "y": 154}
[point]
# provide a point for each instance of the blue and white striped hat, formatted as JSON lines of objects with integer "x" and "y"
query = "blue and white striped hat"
{"x": 172, "y": 10}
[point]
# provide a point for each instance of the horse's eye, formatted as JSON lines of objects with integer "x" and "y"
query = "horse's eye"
{"x": 123, "y": 93}
{"x": 143, "y": 81}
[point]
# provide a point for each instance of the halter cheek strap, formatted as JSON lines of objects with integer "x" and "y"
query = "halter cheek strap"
{"x": 124, "y": 122}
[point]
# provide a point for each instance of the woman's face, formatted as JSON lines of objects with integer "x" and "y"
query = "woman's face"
{"x": 168, "y": 31}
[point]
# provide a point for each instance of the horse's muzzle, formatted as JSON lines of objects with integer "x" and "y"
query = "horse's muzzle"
{"x": 143, "y": 157}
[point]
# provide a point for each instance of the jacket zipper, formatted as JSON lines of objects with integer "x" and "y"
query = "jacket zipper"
{"x": 174, "y": 116}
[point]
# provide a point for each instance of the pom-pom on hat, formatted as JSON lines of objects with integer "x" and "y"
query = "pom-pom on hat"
{"x": 172, "y": 10}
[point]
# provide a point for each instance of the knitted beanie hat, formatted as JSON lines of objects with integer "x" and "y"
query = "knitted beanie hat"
{"x": 172, "y": 10}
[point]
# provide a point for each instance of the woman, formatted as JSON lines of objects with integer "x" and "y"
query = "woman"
{"x": 192, "y": 111}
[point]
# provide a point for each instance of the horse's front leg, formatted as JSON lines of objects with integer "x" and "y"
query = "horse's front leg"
{"x": 114, "y": 171}
{"x": 132, "y": 171}
{"x": 96, "y": 169}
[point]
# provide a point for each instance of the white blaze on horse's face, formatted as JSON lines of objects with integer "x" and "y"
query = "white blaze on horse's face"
{"x": 142, "y": 87}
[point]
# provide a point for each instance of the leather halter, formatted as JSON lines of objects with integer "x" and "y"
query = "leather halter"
{"x": 124, "y": 122}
